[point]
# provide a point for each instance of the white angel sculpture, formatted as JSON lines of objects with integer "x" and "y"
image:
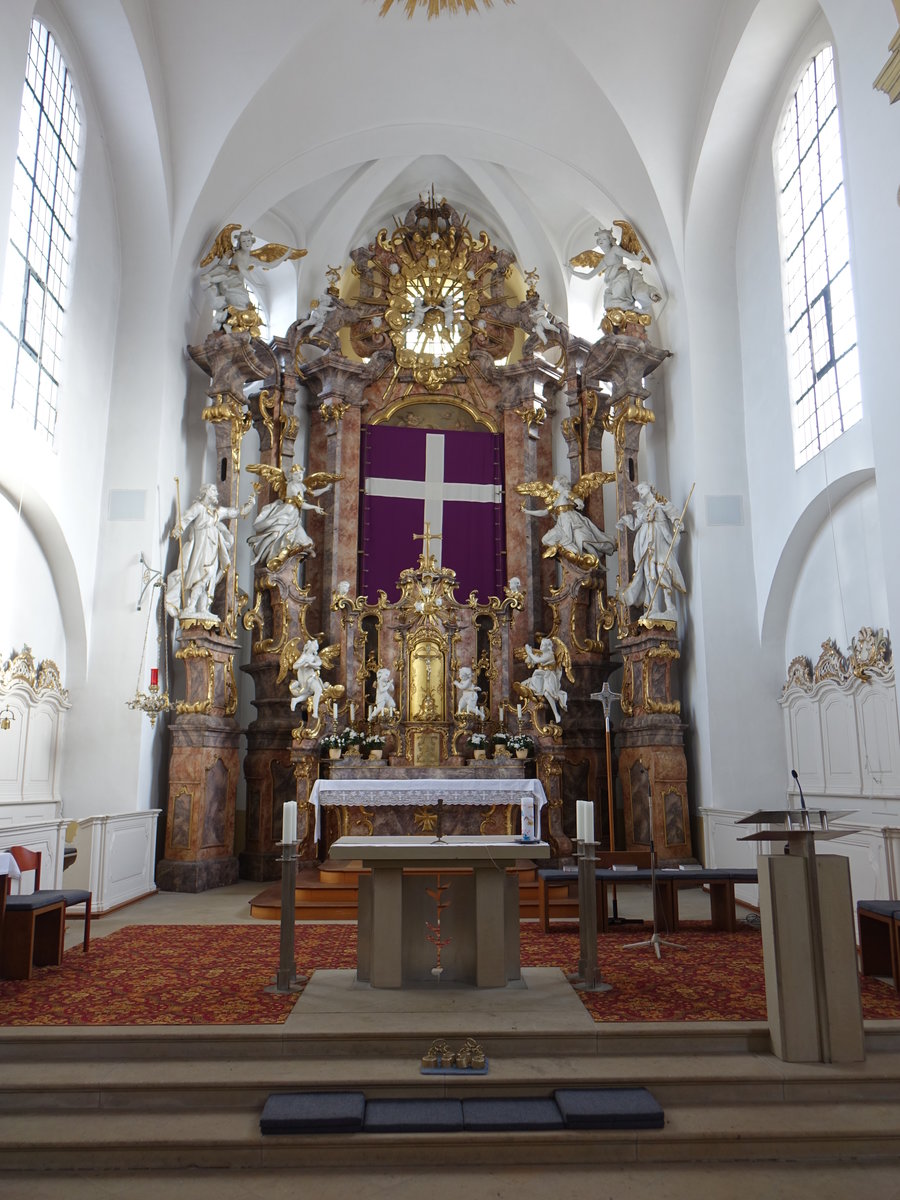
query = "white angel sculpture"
{"x": 574, "y": 535}
{"x": 550, "y": 659}
{"x": 625, "y": 286}
{"x": 228, "y": 267}
{"x": 308, "y": 662}
{"x": 384, "y": 694}
{"x": 468, "y": 694}
{"x": 278, "y": 527}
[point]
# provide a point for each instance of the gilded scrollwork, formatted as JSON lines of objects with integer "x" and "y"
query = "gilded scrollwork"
{"x": 870, "y": 657}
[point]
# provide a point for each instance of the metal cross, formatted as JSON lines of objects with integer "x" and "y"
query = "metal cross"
{"x": 606, "y": 696}
{"x": 427, "y": 537}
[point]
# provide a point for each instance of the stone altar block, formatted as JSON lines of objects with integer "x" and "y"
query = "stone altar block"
{"x": 466, "y": 919}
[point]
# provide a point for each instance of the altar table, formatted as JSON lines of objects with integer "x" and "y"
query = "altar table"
{"x": 436, "y": 911}
{"x": 374, "y": 792}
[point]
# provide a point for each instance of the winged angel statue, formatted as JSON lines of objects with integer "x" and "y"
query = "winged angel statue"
{"x": 278, "y": 527}
{"x": 226, "y": 270}
{"x": 307, "y": 661}
{"x": 574, "y": 535}
{"x": 550, "y": 659}
{"x": 626, "y": 289}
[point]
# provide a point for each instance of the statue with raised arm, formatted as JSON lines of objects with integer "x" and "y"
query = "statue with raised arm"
{"x": 206, "y": 546}
{"x": 625, "y": 287}
{"x": 278, "y": 526}
{"x": 308, "y": 685}
{"x": 657, "y": 577}
{"x": 550, "y": 660}
{"x": 385, "y": 704}
{"x": 467, "y": 701}
{"x": 573, "y": 534}
{"x": 229, "y": 266}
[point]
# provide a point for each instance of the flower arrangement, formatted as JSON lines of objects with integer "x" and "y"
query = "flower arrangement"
{"x": 500, "y": 738}
{"x": 520, "y": 741}
{"x": 478, "y": 741}
{"x": 350, "y": 737}
{"x": 332, "y": 741}
{"x": 373, "y": 741}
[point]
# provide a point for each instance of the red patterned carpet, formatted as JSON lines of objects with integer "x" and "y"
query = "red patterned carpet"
{"x": 215, "y": 975}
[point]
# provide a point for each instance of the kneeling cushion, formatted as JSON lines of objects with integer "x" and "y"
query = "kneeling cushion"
{"x": 313, "y": 1112}
{"x": 413, "y": 1116}
{"x": 609, "y": 1108}
{"x": 526, "y": 1112}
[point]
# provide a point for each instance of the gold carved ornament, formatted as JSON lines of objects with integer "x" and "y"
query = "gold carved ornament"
{"x": 192, "y": 650}
{"x": 668, "y": 655}
{"x": 433, "y": 284}
{"x": 436, "y": 7}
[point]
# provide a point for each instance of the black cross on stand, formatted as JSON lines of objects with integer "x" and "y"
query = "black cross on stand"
{"x": 427, "y": 537}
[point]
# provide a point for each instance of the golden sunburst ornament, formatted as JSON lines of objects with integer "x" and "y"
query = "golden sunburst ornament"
{"x": 436, "y": 7}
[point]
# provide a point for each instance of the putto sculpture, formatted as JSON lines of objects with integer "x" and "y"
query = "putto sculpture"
{"x": 385, "y": 704}
{"x": 467, "y": 687}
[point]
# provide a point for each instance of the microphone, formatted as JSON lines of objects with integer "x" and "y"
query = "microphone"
{"x": 797, "y": 781}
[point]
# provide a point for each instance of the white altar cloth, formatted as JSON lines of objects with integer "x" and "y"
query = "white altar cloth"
{"x": 372, "y": 793}
{"x": 9, "y": 866}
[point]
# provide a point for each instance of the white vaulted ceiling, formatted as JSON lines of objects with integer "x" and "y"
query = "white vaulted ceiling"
{"x": 318, "y": 120}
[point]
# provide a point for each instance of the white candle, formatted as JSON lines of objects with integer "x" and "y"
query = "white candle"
{"x": 588, "y": 820}
{"x": 352, "y": 712}
{"x": 289, "y": 821}
{"x": 334, "y": 709}
{"x": 527, "y": 818}
{"x": 519, "y": 711}
{"x": 501, "y": 714}
{"x": 579, "y": 821}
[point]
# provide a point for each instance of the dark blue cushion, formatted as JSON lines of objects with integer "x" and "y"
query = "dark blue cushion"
{"x": 33, "y": 901}
{"x": 609, "y": 1108}
{"x": 525, "y": 1112}
{"x": 413, "y": 1116}
{"x": 881, "y": 908}
{"x": 313, "y": 1112}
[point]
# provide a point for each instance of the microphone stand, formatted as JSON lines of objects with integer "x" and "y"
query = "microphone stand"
{"x": 654, "y": 940}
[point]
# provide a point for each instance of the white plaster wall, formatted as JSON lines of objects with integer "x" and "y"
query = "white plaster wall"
{"x": 29, "y": 606}
{"x": 840, "y": 586}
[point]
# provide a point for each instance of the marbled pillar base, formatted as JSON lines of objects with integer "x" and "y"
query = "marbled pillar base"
{"x": 175, "y": 876}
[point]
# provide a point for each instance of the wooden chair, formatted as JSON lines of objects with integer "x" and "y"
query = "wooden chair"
{"x": 30, "y": 860}
{"x": 32, "y": 929}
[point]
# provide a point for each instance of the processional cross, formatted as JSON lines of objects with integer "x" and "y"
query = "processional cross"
{"x": 606, "y": 696}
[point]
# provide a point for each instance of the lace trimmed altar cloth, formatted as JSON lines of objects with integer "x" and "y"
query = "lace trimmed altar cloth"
{"x": 382, "y": 792}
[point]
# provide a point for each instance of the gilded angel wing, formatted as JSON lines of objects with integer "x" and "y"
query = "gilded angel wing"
{"x": 272, "y": 251}
{"x": 587, "y": 258}
{"x": 222, "y": 247}
{"x": 289, "y": 656}
{"x": 330, "y": 655}
{"x": 590, "y": 482}
{"x": 274, "y": 476}
{"x": 630, "y": 242}
{"x": 545, "y": 492}
{"x": 563, "y": 657}
{"x": 320, "y": 481}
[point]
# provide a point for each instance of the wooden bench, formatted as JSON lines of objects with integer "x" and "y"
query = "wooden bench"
{"x": 719, "y": 880}
{"x": 879, "y": 938}
{"x": 32, "y": 931}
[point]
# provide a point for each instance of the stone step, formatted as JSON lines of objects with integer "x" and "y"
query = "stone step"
{"x": 222, "y": 1139}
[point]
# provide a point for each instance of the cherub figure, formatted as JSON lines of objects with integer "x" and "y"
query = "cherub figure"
{"x": 468, "y": 694}
{"x": 574, "y": 535}
{"x": 308, "y": 662}
{"x": 228, "y": 267}
{"x": 278, "y": 528}
{"x": 625, "y": 287}
{"x": 550, "y": 659}
{"x": 384, "y": 694}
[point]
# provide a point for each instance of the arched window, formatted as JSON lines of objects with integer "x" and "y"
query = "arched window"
{"x": 41, "y": 229}
{"x": 815, "y": 247}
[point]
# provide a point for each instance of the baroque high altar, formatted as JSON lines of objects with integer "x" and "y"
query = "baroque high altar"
{"x": 423, "y": 572}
